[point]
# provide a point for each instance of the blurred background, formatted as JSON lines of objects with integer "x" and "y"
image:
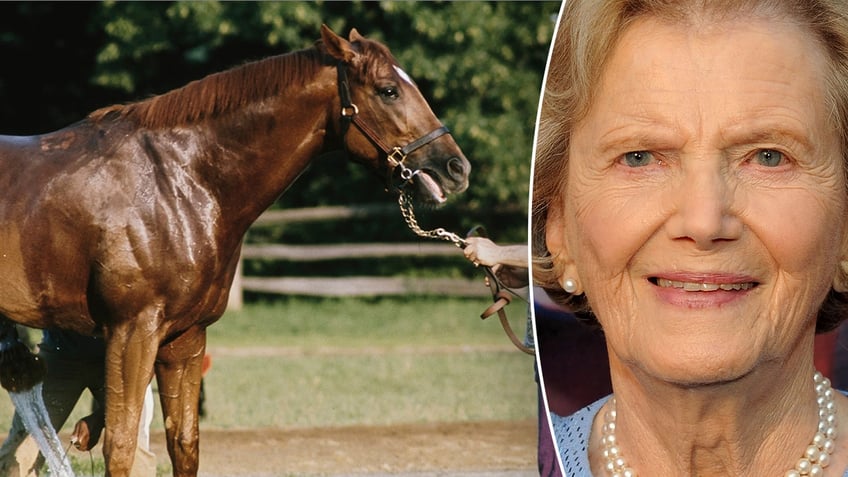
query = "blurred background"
{"x": 479, "y": 64}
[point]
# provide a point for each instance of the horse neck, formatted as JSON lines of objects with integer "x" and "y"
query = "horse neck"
{"x": 260, "y": 151}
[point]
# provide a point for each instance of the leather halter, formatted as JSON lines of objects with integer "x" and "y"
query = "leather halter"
{"x": 394, "y": 155}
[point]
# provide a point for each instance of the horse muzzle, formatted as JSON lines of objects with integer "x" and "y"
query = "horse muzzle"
{"x": 435, "y": 185}
{"x": 458, "y": 169}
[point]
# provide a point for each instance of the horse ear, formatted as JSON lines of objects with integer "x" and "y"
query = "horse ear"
{"x": 355, "y": 36}
{"x": 337, "y": 47}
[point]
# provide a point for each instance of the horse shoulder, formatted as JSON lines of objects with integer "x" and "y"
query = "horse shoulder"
{"x": 159, "y": 232}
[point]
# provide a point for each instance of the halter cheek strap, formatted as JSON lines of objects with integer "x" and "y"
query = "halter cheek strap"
{"x": 395, "y": 155}
{"x": 349, "y": 110}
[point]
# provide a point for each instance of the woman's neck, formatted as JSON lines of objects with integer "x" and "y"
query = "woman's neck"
{"x": 758, "y": 424}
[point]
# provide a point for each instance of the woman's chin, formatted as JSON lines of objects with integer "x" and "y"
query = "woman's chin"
{"x": 697, "y": 370}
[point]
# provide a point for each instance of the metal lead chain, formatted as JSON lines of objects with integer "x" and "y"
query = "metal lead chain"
{"x": 405, "y": 203}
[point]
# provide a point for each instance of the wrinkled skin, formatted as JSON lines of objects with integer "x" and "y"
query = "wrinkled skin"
{"x": 134, "y": 232}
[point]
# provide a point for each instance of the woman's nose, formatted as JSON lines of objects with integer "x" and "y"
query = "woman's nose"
{"x": 704, "y": 206}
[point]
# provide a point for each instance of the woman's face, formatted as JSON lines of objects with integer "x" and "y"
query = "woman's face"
{"x": 705, "y": 203}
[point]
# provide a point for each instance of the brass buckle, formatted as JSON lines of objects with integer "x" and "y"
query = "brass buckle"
{"x": 351, "y": 111}
{"x": 396, "y": 157}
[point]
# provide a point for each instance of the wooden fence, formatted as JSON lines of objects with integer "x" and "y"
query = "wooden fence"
{"x": 352, "y": 285}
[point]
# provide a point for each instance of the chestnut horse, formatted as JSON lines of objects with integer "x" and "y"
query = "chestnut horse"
{"x": 129, "y": 223}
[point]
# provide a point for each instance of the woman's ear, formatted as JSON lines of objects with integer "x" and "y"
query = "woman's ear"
{"x": 840, "y": 279}
{"x": 556, "y": 240}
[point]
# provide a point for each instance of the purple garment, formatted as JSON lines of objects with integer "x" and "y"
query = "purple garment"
{"x": 548, "y": 465}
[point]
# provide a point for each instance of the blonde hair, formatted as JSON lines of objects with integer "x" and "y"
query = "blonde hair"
{"x": 589, "y": 30}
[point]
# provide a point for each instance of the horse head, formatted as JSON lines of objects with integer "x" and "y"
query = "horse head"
{"x": 394, "y": 132}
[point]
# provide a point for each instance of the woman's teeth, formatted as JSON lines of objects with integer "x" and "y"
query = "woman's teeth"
{"x": 697, "y": 286}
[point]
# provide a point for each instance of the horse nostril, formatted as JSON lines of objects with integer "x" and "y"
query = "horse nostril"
{"x": 456, "y": 168}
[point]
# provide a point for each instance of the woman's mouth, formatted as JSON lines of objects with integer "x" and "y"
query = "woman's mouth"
{"x": 701, "y": 286}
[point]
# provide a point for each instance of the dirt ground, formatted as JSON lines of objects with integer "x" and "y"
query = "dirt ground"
{"x": 502, "y": 449}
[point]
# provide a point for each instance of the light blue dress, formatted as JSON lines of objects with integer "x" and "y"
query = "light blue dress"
{"x": 572, "y": 435}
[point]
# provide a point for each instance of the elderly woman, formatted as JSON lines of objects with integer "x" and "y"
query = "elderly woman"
{"x": 690, "y": 195}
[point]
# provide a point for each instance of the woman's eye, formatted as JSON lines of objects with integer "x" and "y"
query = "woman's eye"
{"x": 637, "y": 158}
{"x": 769, "y": 157}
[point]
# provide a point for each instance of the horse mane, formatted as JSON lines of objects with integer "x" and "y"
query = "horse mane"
{"x": 232, "y": 89}
{"x": 221, "y": 92}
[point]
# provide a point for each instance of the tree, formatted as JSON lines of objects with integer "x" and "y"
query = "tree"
{"x": 480, "y": 64}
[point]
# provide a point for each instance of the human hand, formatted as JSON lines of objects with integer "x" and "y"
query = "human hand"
{"x": 86, "y": 433}
{"x": 481, "y": 251}
{"x": 512, "y": 277}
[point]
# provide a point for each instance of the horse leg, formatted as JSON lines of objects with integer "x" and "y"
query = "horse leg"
{"x": 178, "y": 372}
{"x": 130, "y": 353}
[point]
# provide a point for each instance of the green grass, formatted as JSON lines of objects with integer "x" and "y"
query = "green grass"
{"x": 367, "y": 361}
{"x": 358, "y": 322}
{"x": 369, "y": 390}
{"x": 359, "y": 361}
{"x": 305, "y": 362}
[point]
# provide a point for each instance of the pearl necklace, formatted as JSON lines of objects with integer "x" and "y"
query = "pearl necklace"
{"x": 816, "y": 456}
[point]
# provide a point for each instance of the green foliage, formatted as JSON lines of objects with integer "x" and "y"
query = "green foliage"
{"x": 479, "y": 64}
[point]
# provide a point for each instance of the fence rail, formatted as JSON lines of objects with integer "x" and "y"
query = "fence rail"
{"x": 344, "y": 286}
{"x": 338, "y": 251}
{"x": 365, "y": 286}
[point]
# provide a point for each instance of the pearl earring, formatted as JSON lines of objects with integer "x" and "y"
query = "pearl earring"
{"x": 569, "y": 285}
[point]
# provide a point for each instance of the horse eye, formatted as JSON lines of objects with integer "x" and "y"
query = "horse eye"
{"x": 389, "y": 92}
